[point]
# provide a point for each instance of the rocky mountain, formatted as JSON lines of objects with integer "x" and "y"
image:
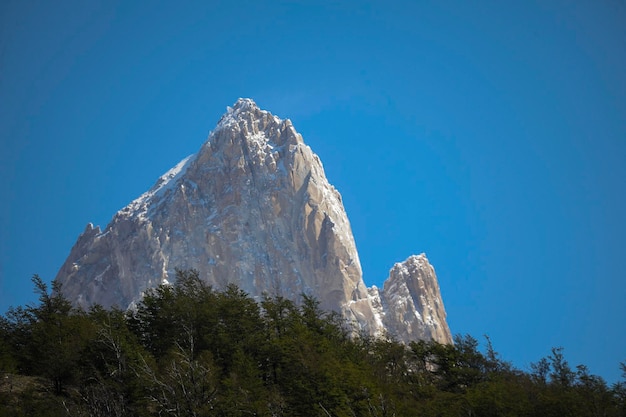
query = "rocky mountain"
{"x": 252, "y": 207}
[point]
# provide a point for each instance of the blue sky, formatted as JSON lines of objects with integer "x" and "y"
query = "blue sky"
{"x": 489, "y": 135}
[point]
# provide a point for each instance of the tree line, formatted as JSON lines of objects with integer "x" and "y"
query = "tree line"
{"x": 189, "y": 350}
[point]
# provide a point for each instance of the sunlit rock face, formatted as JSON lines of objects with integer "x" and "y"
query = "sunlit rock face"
{"x": 411, "y": 302}
{"x": 252, "y": 207}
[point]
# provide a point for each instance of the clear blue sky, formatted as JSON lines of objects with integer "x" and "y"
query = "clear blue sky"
{"x": 490, "y": 135}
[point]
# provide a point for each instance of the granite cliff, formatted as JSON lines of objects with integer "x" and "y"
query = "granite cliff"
{"x": 252, "y": 207}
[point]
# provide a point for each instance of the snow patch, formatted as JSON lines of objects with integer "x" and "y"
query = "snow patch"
{"x": 98, "y": 277}
{"x": 139, "y": 207}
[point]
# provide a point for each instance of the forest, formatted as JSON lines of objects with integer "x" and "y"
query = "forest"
{"x": 189, "y": 350}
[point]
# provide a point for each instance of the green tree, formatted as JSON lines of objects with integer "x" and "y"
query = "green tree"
{"x": 183, "y": 384}
{"x": 8, "y": 359}
{"x": 619, "y": 392}
{"x": 58, "y": 335}
{"x": 561, "y": 374}
{"x": 109, "y": 384}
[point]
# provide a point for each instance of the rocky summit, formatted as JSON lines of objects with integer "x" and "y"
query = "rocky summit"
{"x": 252, "y": 207}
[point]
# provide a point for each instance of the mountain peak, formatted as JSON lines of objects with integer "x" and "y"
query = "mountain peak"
{"x": 253, "y": 207}
{"x": 244, "y": 104}
{"x": 246, "y": 114}
{"x": 244, "y": 108}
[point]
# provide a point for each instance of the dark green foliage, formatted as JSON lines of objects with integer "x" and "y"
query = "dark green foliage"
{"x": 187, "y": 350}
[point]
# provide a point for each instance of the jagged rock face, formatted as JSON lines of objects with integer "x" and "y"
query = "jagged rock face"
{"x": 253, "y": 207}
{"x": 411, "y": 302}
